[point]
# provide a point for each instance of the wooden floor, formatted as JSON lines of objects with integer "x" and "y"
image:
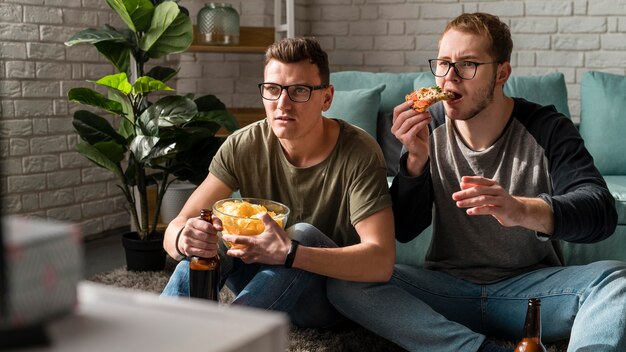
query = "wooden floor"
{"x": 103, "y": 253}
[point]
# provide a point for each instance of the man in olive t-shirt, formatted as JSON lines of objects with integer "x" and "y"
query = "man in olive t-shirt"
{"x": 329, "y": 173}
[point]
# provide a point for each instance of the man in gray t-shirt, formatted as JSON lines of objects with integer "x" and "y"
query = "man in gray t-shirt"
{"x": 330, "y": 174}
{"x": 502, "y": 181}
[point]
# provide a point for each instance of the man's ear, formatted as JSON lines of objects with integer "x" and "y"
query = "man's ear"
{"x": 504, "y": 72}
{"x": 328, "y": 97}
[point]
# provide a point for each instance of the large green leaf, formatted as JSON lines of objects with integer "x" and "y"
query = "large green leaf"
{"x": 119, "y": 6}
{"x": 221, "y": 117}
{"x": 126, "y": 127}
{"x": 118, "y": 54}
{"x": 91, "y": 97}
{"x": 146, "y": 126}
{"x": 161, "y": 73}
{"x": 141, "y": 146}
{"x": 94, "y": 129}
{"x": 93, "y": 36}
{"x": 192, "y": 164}
{"x": 111, "y": 43}
{"x": 99, "y": 158}
{"x": 141, "y": 12}
{"x": 144, "y": 85}
{"x": 112, "y": 150}
{"x": 117, "y": 81}
{"x": 209, "y": 102}
{"x": 170, "y": 32}
{"x": 173, "y": 110}
{"x": 161, "y": 152}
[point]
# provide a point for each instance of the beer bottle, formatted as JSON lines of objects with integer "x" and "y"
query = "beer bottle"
{"x": 204, "y": 273}
{"x": 531, "y": 340}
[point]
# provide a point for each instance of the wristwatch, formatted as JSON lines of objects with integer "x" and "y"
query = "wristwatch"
{"x": 291, "y": 255}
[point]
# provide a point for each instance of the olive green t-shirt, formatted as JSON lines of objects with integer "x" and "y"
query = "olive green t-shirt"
{"x": 334, "y": 195}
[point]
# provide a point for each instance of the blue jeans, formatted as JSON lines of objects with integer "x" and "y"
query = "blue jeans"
{"x": 301, "y": 294}
{"x": 425, "y": 310}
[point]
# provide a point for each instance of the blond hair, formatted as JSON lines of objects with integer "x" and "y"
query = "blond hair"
{"x": 489, "y": 26}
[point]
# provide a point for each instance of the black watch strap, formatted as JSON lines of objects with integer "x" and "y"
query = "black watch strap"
{"x": 291, "y": 255}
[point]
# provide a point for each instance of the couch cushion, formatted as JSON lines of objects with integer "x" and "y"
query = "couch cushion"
{"x": 398, "y": 84}
{"x": 424, "y": 81}
{"x": 358, "y": 107}
{"x": 414, "y": 252}
{"x": 603, "y": 120}
{"x": 617, "y": 186}
{"x": 546, "y": 89}
{"x": 390, "y": 145}
{"x": 611, "y": 248}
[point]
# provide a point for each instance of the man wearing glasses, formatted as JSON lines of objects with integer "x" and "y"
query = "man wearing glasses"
{"x": 502, "y": 180}
{"x": 330, "y": 174}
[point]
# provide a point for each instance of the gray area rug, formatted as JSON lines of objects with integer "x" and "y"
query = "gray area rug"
{"x": 355, "y": 339}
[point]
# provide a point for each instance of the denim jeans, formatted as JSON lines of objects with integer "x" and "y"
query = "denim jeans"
{"x": 301, "y": 294}
{"x": 425, "y": 310}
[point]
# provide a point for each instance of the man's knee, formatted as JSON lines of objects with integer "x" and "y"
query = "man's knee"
{"x": 178, "y": 284}
{"x": 310, "y": 236}
{"x": 342, "y": 291}
{"x": 611, "y": 270}
{"x": 608, "y": 269}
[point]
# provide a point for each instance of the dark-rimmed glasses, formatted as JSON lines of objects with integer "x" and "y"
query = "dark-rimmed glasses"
{"x": 463, "y": 69}
{"x": 299, "y": 93}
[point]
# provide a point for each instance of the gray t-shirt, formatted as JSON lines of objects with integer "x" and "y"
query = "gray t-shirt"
{"x": 334, "y": 195}
{"x": 478, "y": 248}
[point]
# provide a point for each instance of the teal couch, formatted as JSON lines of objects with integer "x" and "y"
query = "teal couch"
{"x": 367, "y": 100}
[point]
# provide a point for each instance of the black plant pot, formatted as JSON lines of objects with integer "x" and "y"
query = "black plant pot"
{"x": 143, "y": 255}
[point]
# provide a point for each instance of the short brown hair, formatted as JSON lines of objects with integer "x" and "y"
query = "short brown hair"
{"x": 487, "y": 25}
{"x": 292, "y": 50}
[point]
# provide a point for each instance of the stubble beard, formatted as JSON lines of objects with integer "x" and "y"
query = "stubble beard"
{"x": 487, "y": 98}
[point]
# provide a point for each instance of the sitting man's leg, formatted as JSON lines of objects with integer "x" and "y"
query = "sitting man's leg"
{"x": 401, "y": 311}
{"x": 585, "y": 303}
{"x": 178, "y": 284}
{"x": 600, "y": 324}
{"x": 301, "y": 294}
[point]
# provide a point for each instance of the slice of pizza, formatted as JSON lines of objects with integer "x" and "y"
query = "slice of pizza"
{"x": 424, "y": 97}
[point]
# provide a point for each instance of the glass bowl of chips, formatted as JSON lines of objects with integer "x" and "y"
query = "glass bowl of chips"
{"x": 241, "y": 216}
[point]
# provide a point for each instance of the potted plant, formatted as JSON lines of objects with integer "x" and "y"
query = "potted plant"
{"x": 172, "y": 138}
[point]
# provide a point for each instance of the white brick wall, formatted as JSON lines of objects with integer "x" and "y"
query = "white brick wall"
{"x": 42, "y": 174}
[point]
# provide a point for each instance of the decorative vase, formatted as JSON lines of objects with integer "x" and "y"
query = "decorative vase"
{"x": 218, "y": 24}
{"x": 174, "y": 199}
{"x": 143, "y": 255}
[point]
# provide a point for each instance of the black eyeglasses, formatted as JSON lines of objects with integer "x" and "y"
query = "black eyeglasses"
{"x": 463, "y": 69}
{"x": 299, "y": 93}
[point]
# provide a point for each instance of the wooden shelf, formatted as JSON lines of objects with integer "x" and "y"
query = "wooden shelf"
{"x": 251, "y": 40}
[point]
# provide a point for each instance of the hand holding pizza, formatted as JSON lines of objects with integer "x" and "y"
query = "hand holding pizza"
{"x": 410, "y": 125}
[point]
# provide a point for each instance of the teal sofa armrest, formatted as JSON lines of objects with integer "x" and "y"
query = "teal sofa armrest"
{"x": 603, "y": 126}
{"x": 603, "y": 120}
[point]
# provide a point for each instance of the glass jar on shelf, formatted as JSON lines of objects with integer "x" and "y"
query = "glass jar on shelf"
{"x": 218, "y": 24}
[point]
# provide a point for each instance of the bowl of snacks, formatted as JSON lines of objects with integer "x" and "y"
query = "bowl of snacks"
{"x": 241, "y": 216}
